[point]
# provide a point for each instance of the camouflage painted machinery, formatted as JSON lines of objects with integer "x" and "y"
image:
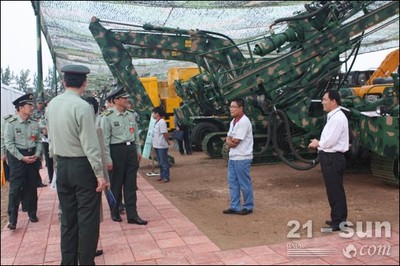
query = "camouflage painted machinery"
{"x": 119, "y": 46}
{"x": 287, "y": 89}
{"x": 282, "y": 93}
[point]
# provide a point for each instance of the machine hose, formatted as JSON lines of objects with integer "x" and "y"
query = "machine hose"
{"x": 273, "y": 122}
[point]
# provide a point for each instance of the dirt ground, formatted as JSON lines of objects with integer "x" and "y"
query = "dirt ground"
{"x": 199, "y": 189}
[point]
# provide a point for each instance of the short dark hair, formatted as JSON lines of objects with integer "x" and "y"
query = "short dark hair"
{"x": 74, "y": 80}
{"x": 159, "y": 110}
{"x": 239, "y": 101}
{"x": 334, "y": 95}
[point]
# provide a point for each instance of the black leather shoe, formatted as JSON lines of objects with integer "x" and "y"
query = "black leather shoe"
{"x": 137, "y": 220}
{"x": 230, "y": 211}
{"x": 12, "y": 226}
{"x": 330, "y": 229}
{"x": 99, "y": 252}
{"x": 329, "y": 222}
{"x": 246, "y": 211}
{"x": 116, "y": 218}
{"x": 33, "y": 219}
{"x": 42, "y": 185}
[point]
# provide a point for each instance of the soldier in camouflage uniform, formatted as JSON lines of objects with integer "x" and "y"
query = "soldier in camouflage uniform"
{"x": 23, "y": 143}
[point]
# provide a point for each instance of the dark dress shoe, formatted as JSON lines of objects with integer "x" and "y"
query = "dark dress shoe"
{"x": 230, "y": 211}
{"x": 137, "y": 220}
{"x": 329, "y": 222}
{"x": 245, "y": 212}
{"x": 42, "y": 185}
{"x": 99, "y": 252}
{"x": 330, "y": 229}
{"x": 116, "y": 218}
{"x": 12, "y": 226}
{"x": 33, "y": 219}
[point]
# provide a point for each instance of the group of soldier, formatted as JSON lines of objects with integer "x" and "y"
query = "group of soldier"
{"x": 67, "y": 128}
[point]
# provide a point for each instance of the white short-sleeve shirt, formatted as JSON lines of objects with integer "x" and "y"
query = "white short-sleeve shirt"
{"x": 241, "y": 130}
{"x": 159, "y": 142}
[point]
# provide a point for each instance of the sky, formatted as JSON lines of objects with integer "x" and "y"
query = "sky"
{"x": 19, "y": 47}
{"x": 18, "y": 39}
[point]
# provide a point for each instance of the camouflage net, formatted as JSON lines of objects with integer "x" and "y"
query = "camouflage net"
{"x": 65, "y": 26}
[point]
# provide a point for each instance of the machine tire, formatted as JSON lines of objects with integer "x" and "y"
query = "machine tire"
{"x": 200, "y": 131}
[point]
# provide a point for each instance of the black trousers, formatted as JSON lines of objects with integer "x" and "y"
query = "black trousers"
{"x": 123, "y": 177}
{"x": 80, "y": 206}
{"x": 184, "y": 141}
{"x": 23, "y": 185}
{"x": 333, "y": 166}
{"x": 49, "y": 161}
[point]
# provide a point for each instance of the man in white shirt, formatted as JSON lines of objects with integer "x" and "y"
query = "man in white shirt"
{"x": 161, "y": 143}
{"x": 333, "y": 144}
{"x": 240, "y": 143}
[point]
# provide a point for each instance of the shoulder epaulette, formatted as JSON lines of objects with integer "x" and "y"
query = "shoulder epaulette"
{"x": 7, "y": 117}
{"x": 107, "y": 112}
{"x": 12, "y": 120}
{"x": 34, "y": 119}
{"x": 130, "y": 110}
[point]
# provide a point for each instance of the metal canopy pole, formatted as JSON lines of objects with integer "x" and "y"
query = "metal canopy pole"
{"x": 39, "y": 89}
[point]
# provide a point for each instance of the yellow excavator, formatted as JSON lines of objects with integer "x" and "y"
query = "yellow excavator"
{"x": 377, "y": 82}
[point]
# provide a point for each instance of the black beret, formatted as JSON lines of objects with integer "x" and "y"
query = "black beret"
{"x": 75, "y": 69}
{"x": 27, "y": 98}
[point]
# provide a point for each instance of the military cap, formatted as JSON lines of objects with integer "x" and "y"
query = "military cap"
{"x": 27, "y": 98}
{"x": 120, "y": 91}
{"x": 75, "y": 69}
{"x": 39, "y": 100}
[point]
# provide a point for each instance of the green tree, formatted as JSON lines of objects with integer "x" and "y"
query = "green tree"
{"x": 7, "y": 76}
{"x": 50, "y": 88}
{"x": 23, "y": 81}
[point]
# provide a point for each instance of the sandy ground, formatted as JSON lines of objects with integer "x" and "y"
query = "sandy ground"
{"x": 283, "y": 197}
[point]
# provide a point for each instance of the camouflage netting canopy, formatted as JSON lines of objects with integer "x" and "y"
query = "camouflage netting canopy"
{"x": 65, "y": 25}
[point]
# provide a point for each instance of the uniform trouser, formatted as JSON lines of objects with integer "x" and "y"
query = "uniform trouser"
{"x": 6, "y": 171}
{"x": 80, "y": 207}
{"x": 49, "y": 161}
{"x": 123, "y": 177}
{"x": 333, "y": 166}
{"x": 23, "y": 185}
{"x": 239, "y": 180}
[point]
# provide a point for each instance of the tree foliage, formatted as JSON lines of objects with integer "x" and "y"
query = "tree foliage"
{"x": 23, "y": 81}
{"x": 7, "y": 76}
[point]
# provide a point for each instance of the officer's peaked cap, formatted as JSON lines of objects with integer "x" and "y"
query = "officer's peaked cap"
{"x": 120, "y": 91}
{"x": 27, "y": 98}
{"x": 75, "y": 69}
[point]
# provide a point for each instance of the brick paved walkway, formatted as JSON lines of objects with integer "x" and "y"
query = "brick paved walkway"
{"x": 170, "y": 238}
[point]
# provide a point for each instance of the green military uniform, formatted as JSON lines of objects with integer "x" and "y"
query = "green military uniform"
{"x": 22, "y": 138}
{"x": 73, "y": 141}
{"x": 122, "y": 147}
{"x": 3, "y": 146}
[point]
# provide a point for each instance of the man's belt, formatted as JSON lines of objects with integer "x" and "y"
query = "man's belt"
{"x": 70, "y": 158}
{"x": 123, "y": 143}
{"x": 27, "y": 150}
